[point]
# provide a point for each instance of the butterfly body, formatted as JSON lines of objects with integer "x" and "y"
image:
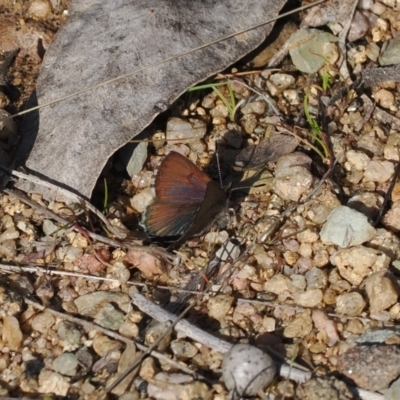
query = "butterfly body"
{"x": 187, "y": 201}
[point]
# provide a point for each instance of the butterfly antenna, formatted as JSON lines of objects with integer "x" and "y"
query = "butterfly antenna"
{"x": 219, "y": 168}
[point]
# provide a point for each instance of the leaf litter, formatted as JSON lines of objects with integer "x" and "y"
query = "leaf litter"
{"x": 303, "y": 300}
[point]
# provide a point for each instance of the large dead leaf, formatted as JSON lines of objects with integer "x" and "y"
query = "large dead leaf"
{"x": 71, "y": 141}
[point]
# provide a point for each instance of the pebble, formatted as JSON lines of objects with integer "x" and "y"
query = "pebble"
{"x": 359, "y": 27}
{"x": 129, "y": 329}
{"x": 371, "y": 367}
{"x": 43, "y": 322}
{"x": 219, "y": 111}
{"x": 279, "y": 284}
{"x": 327, "y": 387}
{"x": 133, "y": 156}
{"x": 391, "y": 55}
{"x": 350, "y": 304}
{"x": 380, "y": 291}
{"x": 379, "y": 335}
{"x": 141, "y": 200}
{"x": 391, "y": 219}
{"x": 316, "y": 279}
{"x": 183, "y": 349}
{"x": 102, "y": 345}
{"x": 109, "y": 317}
{"x": 52, "y": 382}
{"x": 292, "y": 176}
{"x": 378, "y": 171}
{"x": 11, "y": 333}
{"x": 393, "y": 393}
{"x": 356, "y": 160}
{"x": 249, "y": 123}
{"x": 69, "y": 332}
{"x": 277, "y": 83}
{"x": 346, "y": 227}
{"x": 219, "y": 305}
{"x": 309, "y": 298}
{"x": 301, "y": 326}
{"x": 385, "y": 99}
{"x": 9, "y": 234}
{"x": 153, "y": 333}
{"x": 247, "y": 369}
{"x": 186, "y": 130}
{"x": 90, "y": 305}
{"x": 256, "y": 107}
{"x": 66, "y": 364}
{"x": 69, "y": 253}
{"x": 356, "y": 263}
{"x": 39, "y": 9}
{"x": 182, "y": 390}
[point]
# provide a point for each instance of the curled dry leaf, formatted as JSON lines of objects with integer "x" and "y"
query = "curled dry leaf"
{"x": 146, "y": 263}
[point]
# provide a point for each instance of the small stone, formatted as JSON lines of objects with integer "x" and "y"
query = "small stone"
{"x": 346, "y": 227}
{"x": 392, "y": 218}
{"x": 309, "y": 298}
{"x": 183, "y": 349}
{"x": 277, "y": 83}
{"x": 69, "y": 253}
{"x": 393, "y": 393}
{"x": 291, "y": 180}
{"x": 324, "y": 388}
{"x": 371, "y": 367}
{"x": 356, "y": 160}
{"x": 155, "y": 332}
{"x": 301, "y": 326}
{"x": 350, "y": 304}
{"x": 219, "y": 306}
{"x": 380, "y": 291}
{"x": 52, "y": 382}
{"x": 133, "y": 156}
{"x": 102, "y": 345}
{"x": 43, "y": 322}
{"x": 109, "y": 317}
{"x": 90, "y": 305}
{"x": 39, "y": 9}
{"x": 247, "y": 369}
{"x": 359, "y": 27}
{"x": 279, "y": 284}
{"x": 378, "y": 171}
{"x": 316, "y": 279}
{"x": 9, "y": 234}
{"x": 66, "y": 364}
{"x": 69, "y": 332}
{"x": 219, "y": 111}
{"x": 356, "y": 263}
{"x": 186, "y": 131}
{"x": 384, "y": 98}
{"x": 367, "y": 203}
{"x": 11, "y": 333}
{"x": 256, "y": 107}
{"x": 391, "y": 55}
{"x": 129, "y": 329}
{"x": 140, "y": 201}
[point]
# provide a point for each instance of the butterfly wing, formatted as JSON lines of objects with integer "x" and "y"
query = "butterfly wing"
{"x": 180, "y": 181}
{"x": 165, "y": 219}
{"x": 180, "y": 188}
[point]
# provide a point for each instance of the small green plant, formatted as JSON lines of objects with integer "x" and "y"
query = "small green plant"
{"x": 230, "y": 103}
{"x": 105, "y": 200}
{"x": 315, "y": 129}
{"x": 326, "y": 80}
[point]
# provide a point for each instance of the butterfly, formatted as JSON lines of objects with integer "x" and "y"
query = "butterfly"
{"x": 186, "y": 201}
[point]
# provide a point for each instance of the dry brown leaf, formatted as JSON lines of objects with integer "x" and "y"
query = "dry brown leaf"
{"x": 146, "y": 263}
